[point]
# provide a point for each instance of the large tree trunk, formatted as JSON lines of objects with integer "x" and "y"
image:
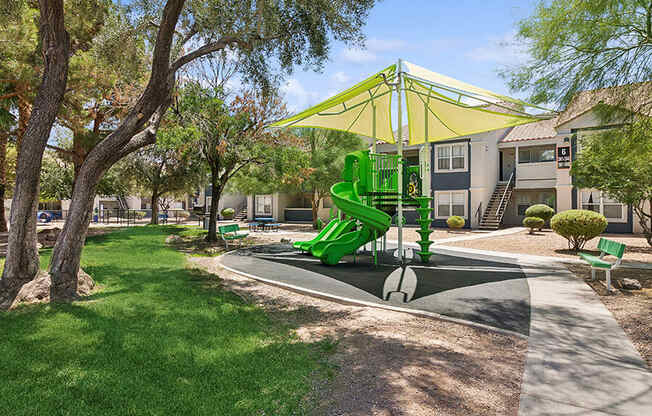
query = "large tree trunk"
{"x": 22, "y": 263}
{"x": 155, "y": 197}
{"x": 3, "y": 181}
{"x": 216, "y": 193}
{"x": 131, "y": 135}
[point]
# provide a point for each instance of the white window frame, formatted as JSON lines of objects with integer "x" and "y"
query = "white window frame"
{"x": 624, "y": 211}
{"x": 465, "y": 147}
{"x": 450, "y": 203}
{"x": 271, "y": 204}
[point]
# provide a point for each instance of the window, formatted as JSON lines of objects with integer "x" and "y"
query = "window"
{"x": 451, "y": 158}
{"x": 596, "y": 201}
{"x": 263, "y": 204}
{"x": 450, "y": 203}
{"x": 525, "y": 199}
{"x": 536, "y": 154}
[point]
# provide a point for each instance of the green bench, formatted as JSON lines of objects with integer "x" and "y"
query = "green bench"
{"x": 231, "y": 233}
{"x": 606, "y": 247}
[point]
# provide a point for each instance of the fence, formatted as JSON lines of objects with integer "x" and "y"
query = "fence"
{"x": 119, "y": 216}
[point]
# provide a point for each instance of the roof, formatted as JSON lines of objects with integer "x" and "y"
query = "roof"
{"x": 544, "y": 129}
{"x": 633, "y": 97}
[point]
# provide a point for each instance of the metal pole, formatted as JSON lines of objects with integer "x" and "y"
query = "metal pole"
{"x": 373, "y": 176}
{"x": 400, "y": 163}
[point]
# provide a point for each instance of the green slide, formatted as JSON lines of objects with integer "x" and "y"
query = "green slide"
{"x": 345, "y": 197}
{"x": 333, "y": 230}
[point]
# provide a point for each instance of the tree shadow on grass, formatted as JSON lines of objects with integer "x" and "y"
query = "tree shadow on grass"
{"x": 169, "y": 345}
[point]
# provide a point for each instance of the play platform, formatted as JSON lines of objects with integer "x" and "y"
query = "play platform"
{"x": 483, "y": 292}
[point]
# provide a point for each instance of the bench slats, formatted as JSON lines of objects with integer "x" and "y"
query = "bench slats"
{"x": 614, "y": 248}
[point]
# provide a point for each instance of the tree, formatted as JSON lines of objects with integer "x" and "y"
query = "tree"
{"x": 170, "y": 166}
{"x": 22, "y": 263}
{"x": 584, "y": 45}
{"x": 58, "y": 177}
{"x": 267, "y": 34}
{"x": 618, "y": 162}
{"x": 232, "y": 136}
{"x": 312, "y": 166}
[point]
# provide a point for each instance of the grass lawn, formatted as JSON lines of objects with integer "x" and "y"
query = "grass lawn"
{"x": 157, "y": 339}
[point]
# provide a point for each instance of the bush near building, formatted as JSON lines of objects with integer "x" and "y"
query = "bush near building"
{"x": 578, "y": 226}
{"x": 533, "y": 223}
{"x": 227, "y": 213}
{"x": 542, "y": 211}
{"x": 455, "y": 222}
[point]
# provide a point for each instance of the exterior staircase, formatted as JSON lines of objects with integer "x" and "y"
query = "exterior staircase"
{"x": 241, "y": 215}
{"x": 493, "y": 215}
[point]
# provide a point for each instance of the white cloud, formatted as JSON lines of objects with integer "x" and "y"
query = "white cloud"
{"x": 504, "y": 50}
{"x": 385, "y": 45}
{"x": 358, "y": 55}
{"x": 340, "y": 77}
{"x": 296, "y": 95}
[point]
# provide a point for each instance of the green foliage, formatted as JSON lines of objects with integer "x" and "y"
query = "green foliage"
{"x": 273, "y": 36}
{"x": 582, "y": 45}
{"x": 157, "y": 338}
{"x": 312, "y": 165}
{"x": 455, "y": 222}
{"x": 533, "y": 223}
{"x": 542, "y": 211}
{"x": 228, "y": 213}
{"x": 172, "y": 165}
{"x": 617, "y": 162}
{"x": 57, "y": 176}
{"x": 578, "y": 226}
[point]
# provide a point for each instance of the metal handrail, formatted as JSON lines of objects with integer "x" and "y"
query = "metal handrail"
{"x": 505, "y": 192}
{"x": 478, "y": 212}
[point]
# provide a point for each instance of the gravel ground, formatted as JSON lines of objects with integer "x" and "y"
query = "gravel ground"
{"x": 391, "y": 363}
{"x": 547, "y": 243}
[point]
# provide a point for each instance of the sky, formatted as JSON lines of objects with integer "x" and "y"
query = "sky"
{"x": 466, "y": 39}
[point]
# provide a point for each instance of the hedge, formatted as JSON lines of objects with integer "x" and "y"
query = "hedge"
{"x": 578, "y": 226}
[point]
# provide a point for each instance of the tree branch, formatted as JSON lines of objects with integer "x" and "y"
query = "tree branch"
{"x": 219, "y": 45}
{"x": 13, "y": 94}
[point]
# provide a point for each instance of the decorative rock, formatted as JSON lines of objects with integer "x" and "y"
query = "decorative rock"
{"x": 286, "y": 240}
{"x": 173, "y": 239}
{"x": 631, "y": 284}
{"x": 38, "y": 290}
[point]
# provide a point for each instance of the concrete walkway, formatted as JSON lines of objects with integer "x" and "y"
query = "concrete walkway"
{"x": 579, "y": 360}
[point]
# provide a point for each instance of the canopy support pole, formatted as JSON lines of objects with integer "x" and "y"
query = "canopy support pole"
{"x": 400, "y": 162}
{"x": 373, "y": 178}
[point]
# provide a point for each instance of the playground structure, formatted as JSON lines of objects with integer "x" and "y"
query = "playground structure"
{"x": 377, "y": 185}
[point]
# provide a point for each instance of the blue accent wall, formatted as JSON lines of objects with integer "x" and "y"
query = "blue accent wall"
{"x": 453, "y": 181}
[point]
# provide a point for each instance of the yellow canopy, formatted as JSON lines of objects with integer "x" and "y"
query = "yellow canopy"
{"x": 354, "y": 110}
{"x": 438, "y": 108}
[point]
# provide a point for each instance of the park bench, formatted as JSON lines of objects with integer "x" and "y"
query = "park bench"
{"x": 231, "y": 233}
{"x": 606, "y": 247}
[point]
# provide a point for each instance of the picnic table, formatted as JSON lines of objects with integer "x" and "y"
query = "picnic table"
{"x": 263, "y": 223}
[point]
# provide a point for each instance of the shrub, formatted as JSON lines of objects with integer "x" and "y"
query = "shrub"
{"x": 542, "y": 211}
{"x": 140, "y": 214}
{"x": 455, "y": 222}
{"x": 183, "y": 214}
{"x": 227, "y": 213}
{"x": 533, "y": 223}
{"x": 578, "y": 226}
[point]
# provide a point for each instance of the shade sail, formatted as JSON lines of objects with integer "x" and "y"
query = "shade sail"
{"x": 353, "y": 109}
{"x": 434, "y": 117}
{"x": 438, "y": 108}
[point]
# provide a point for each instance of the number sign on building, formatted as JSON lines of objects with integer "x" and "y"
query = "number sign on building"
{"x": 563, "y": 157}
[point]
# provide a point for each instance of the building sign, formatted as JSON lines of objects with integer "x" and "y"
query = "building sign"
{"x": 563, "y": 157}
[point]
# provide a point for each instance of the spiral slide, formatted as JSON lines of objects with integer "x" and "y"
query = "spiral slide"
{"x": 375, "y": 223}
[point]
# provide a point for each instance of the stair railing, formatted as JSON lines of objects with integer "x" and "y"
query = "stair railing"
{"x": 478, "y": 213}
{"x": 509, "y": 184}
